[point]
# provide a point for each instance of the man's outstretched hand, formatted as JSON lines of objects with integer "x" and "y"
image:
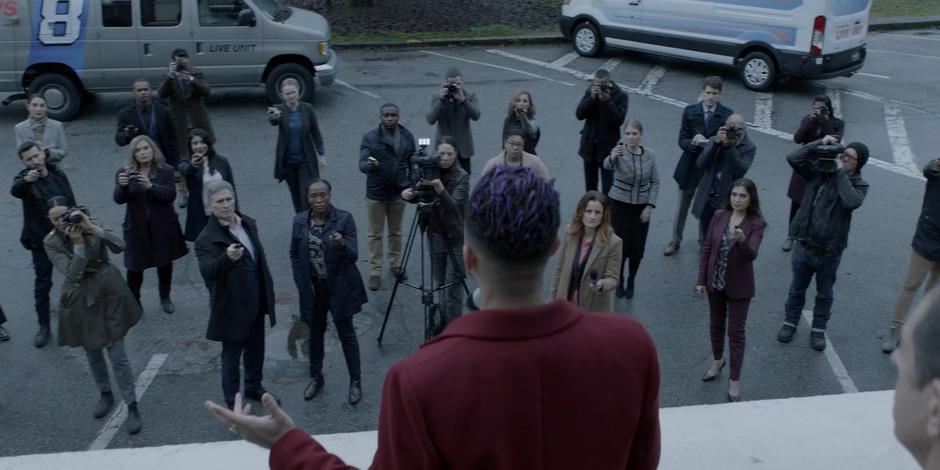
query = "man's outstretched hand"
{"x": 264, "y": 431}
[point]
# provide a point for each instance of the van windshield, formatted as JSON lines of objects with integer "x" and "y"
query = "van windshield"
{"x": 273, "y": 9}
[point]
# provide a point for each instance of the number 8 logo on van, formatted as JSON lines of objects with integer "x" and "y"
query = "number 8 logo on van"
{"x": 61, "y": 22}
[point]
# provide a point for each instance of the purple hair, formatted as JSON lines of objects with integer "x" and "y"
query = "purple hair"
{"x": 514, "y": 214}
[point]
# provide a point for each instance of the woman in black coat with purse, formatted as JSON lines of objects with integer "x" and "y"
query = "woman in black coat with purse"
{"x": 300, "y": 150}
{"x": 203, "y": 168}
{"x": 323, "y": 254}
{"x": 151, "y": 229}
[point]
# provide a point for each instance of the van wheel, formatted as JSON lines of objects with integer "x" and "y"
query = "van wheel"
{"x": 758, "y": 71}
{"x": 283, "y": 72}
{"x": 62, "y": 97}
{"x": 587, "y": 41}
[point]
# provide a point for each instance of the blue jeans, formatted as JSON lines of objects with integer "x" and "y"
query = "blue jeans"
{"x": 42, "y": 267}
{"x": 805, "y": 265}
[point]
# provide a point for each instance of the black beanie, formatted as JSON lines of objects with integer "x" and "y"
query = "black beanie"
{"x": 862, "y": 151}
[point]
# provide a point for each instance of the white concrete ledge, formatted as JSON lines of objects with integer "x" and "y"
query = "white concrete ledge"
{"x": 826, "y": 432}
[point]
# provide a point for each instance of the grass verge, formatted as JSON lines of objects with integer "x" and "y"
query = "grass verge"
{"x": 476, "y": 32}
{"x": 889, "y": 8}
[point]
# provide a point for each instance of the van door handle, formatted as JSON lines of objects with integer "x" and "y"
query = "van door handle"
{"x": 147, "y": 49}
{"x": 199, "y": 48}
{"x": 634, "y": 3}
{"x": 13, "y": 20}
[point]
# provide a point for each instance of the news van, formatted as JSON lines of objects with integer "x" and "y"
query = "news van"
{"x": 63, "y": 49}
{"x": 763, "y": 39}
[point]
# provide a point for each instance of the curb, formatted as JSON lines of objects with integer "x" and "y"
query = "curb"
{"x": 880, "y": 24}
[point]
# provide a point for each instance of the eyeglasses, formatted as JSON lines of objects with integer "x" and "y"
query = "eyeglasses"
{"x": 515, "y": 143}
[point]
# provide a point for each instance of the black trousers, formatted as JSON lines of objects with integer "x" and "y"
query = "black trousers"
{"x": 625, "y": 219}
{"x": 298, "y": 178}
{"x": 42, "y": 267}
{"x": 135, "y": 279}
{"x": 344, "y": 329}
{"x": 251, "y": 348}
{"x": 591, "y": 170}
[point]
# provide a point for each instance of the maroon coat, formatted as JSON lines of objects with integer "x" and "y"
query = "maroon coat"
{"x": 551, "y": 387}
{"x": 739, "y": 278}
{"x": 811, "y": 131}
{"x": 151, "y": 229}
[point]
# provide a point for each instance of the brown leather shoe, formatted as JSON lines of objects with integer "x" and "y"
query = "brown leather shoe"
{"x": 671, "y": 248}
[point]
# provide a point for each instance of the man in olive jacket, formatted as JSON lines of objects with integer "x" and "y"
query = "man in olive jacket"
{"x": 241, "y": 293}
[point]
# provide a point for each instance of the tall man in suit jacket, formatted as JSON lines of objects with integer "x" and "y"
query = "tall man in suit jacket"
{"x": 147, "y": 117}
{"x": 35, "y": 185}
{"x": 241, "y": 293}
{"x": 603, "y": 109}
{"x": 539, "y": 406}
{"x": 700, "y": 122}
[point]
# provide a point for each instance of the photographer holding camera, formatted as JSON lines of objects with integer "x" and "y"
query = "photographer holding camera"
{"x": 96, "y": 309}
{"x": 35, "y": 185}
{"x": 147, "y": 117}
{"x": 450, "y": 186}
{"x": 452, "y": 109}
{"x": 385, "y": 157}
{"x": 185, "y": 88}
{"x": 821, "y": 227}
{"x": 603, "y": 109}
{"x": 725, "y": 158}
{"x": 817, "y": 124}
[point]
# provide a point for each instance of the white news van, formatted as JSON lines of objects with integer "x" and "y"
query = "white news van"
{"x": 62, "y": 49}
{"x": 764, "y": 39}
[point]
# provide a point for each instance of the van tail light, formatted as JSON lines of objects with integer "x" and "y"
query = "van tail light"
{"x": 819, "y": 36}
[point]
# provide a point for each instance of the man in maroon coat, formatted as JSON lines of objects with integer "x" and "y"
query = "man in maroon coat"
{"x": 519, "y": 384}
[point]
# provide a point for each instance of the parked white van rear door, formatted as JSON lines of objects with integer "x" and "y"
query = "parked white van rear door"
{"x": 849, "y": 25}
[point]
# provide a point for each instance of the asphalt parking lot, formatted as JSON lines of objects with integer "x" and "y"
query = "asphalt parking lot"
{"x": 47, "y": 394}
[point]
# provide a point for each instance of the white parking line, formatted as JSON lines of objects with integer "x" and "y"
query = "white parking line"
{"x": 510, "y": 69}
{"x": 509, "y": 55}
{"x": 897, "y": 134}
{"x": 842, "y": 375}
{"x": 907, "y": 54}
{"x": 612, "y": 63}
{"x": 873, "y": 75}
{"x": 565, "y": 59}
{"x": 351, "y": 87}
{"x": 652, "y": 79}
{"x": 836, "y": 97}
{"x": 764, "y": 110}
{"x": 111, "y": 427}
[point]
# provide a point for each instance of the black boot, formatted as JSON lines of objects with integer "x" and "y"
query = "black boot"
{"x": 104, "y": 405}
{"x": 628, "y": 292}
{"x": 42, "y": 337}
{"x": 133, "y": 419}
{"x": 355, "y": 392}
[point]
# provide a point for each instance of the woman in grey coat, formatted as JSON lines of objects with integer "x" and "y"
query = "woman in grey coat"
{"x": 39, "y": 128}
{"x": 97, "y": 308}
{"x": 632, "y": 197}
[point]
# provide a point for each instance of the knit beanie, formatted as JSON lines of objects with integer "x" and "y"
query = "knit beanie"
{"x": 862, "y": 151}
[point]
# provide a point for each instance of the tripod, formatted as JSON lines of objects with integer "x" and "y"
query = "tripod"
{"x": 419, "y": 229}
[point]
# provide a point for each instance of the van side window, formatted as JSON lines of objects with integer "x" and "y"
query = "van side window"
{"x": 219, "y": 12}
{"x": 156, "y": 13}
{"x": 116, "y": 13}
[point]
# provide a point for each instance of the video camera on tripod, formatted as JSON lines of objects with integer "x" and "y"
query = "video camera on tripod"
{"x": 426, "y": 168}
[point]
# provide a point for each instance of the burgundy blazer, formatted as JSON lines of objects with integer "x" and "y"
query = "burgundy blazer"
{"x": 552, "y": 387}
{"x": 739, "y": 278}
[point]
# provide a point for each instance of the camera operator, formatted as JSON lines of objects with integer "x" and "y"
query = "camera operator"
{"x": 603, "y": 109}
{"x": 147, "y": 117}
{"x": 385, "y": 157}
{"x": 40, "y": 128}
{"x": 725, "y": 158}
{"x": 186, "y": 88}
{"x": 445, "y": 229}
{"x": 96, "y": 309}
{"x": 817, "y": 124}
{"x": 821, "y": 227}
{"x": 452, "y": 108}
{"x": 35, "y": 185}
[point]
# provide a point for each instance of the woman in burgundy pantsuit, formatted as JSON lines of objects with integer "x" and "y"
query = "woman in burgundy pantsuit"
{"x": 726, "y": 273}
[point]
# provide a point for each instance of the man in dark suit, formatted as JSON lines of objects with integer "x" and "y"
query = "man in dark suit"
{"x": 241, "y": 293}
{"x": 35, "y": 185}
{"x": 700, "y": 122}
{"x": 551, "y": 394}
{"x": 603, "y": 109}
{"x": 147, "y": 117}
{"x": 724, "y": 159}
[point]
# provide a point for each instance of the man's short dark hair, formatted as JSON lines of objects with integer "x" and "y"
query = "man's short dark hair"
{"x": 926, "y": 344}
{"x": 601, "y": 74}
{"x": 26, "y": 146}
{"x": 453, "y": 72}
{"x": 713, "y": 81}
{"x": 140, "y": 80}
{"x": 320, "y": 180}
{"x": 513, "y": 217}
{"x": 179, "y": 53}
{"x": 388, "y": 105}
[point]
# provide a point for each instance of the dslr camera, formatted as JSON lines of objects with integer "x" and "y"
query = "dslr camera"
{"x": 427, "y": 168}
{"x": 73, "y": 215}
{"x": 181, "y": 66}
{"x": 451, "y": 89}
{"x": 827, "y": 158}
{"x": 133, "y": 176}
{"x": 822, "y": 110}
{"x": 733, "y": 133}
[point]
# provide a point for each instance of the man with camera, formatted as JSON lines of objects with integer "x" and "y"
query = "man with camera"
{"x": 725, "y": 157}
{"x": 385, "y": 157}
{"x": 241, "y": 292}
{"x": 452, "y": 109}
{"x": 97, "y": 309}
{"x": 186, "y": 88}
{"x": 147, "y": 117}
{"x": 603, "y": 109}
{"x": 821, "y": 227}
{"x": 35, "y": 185}
{"x": 700, "y": 122}
{"x": 445, "y": 186}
